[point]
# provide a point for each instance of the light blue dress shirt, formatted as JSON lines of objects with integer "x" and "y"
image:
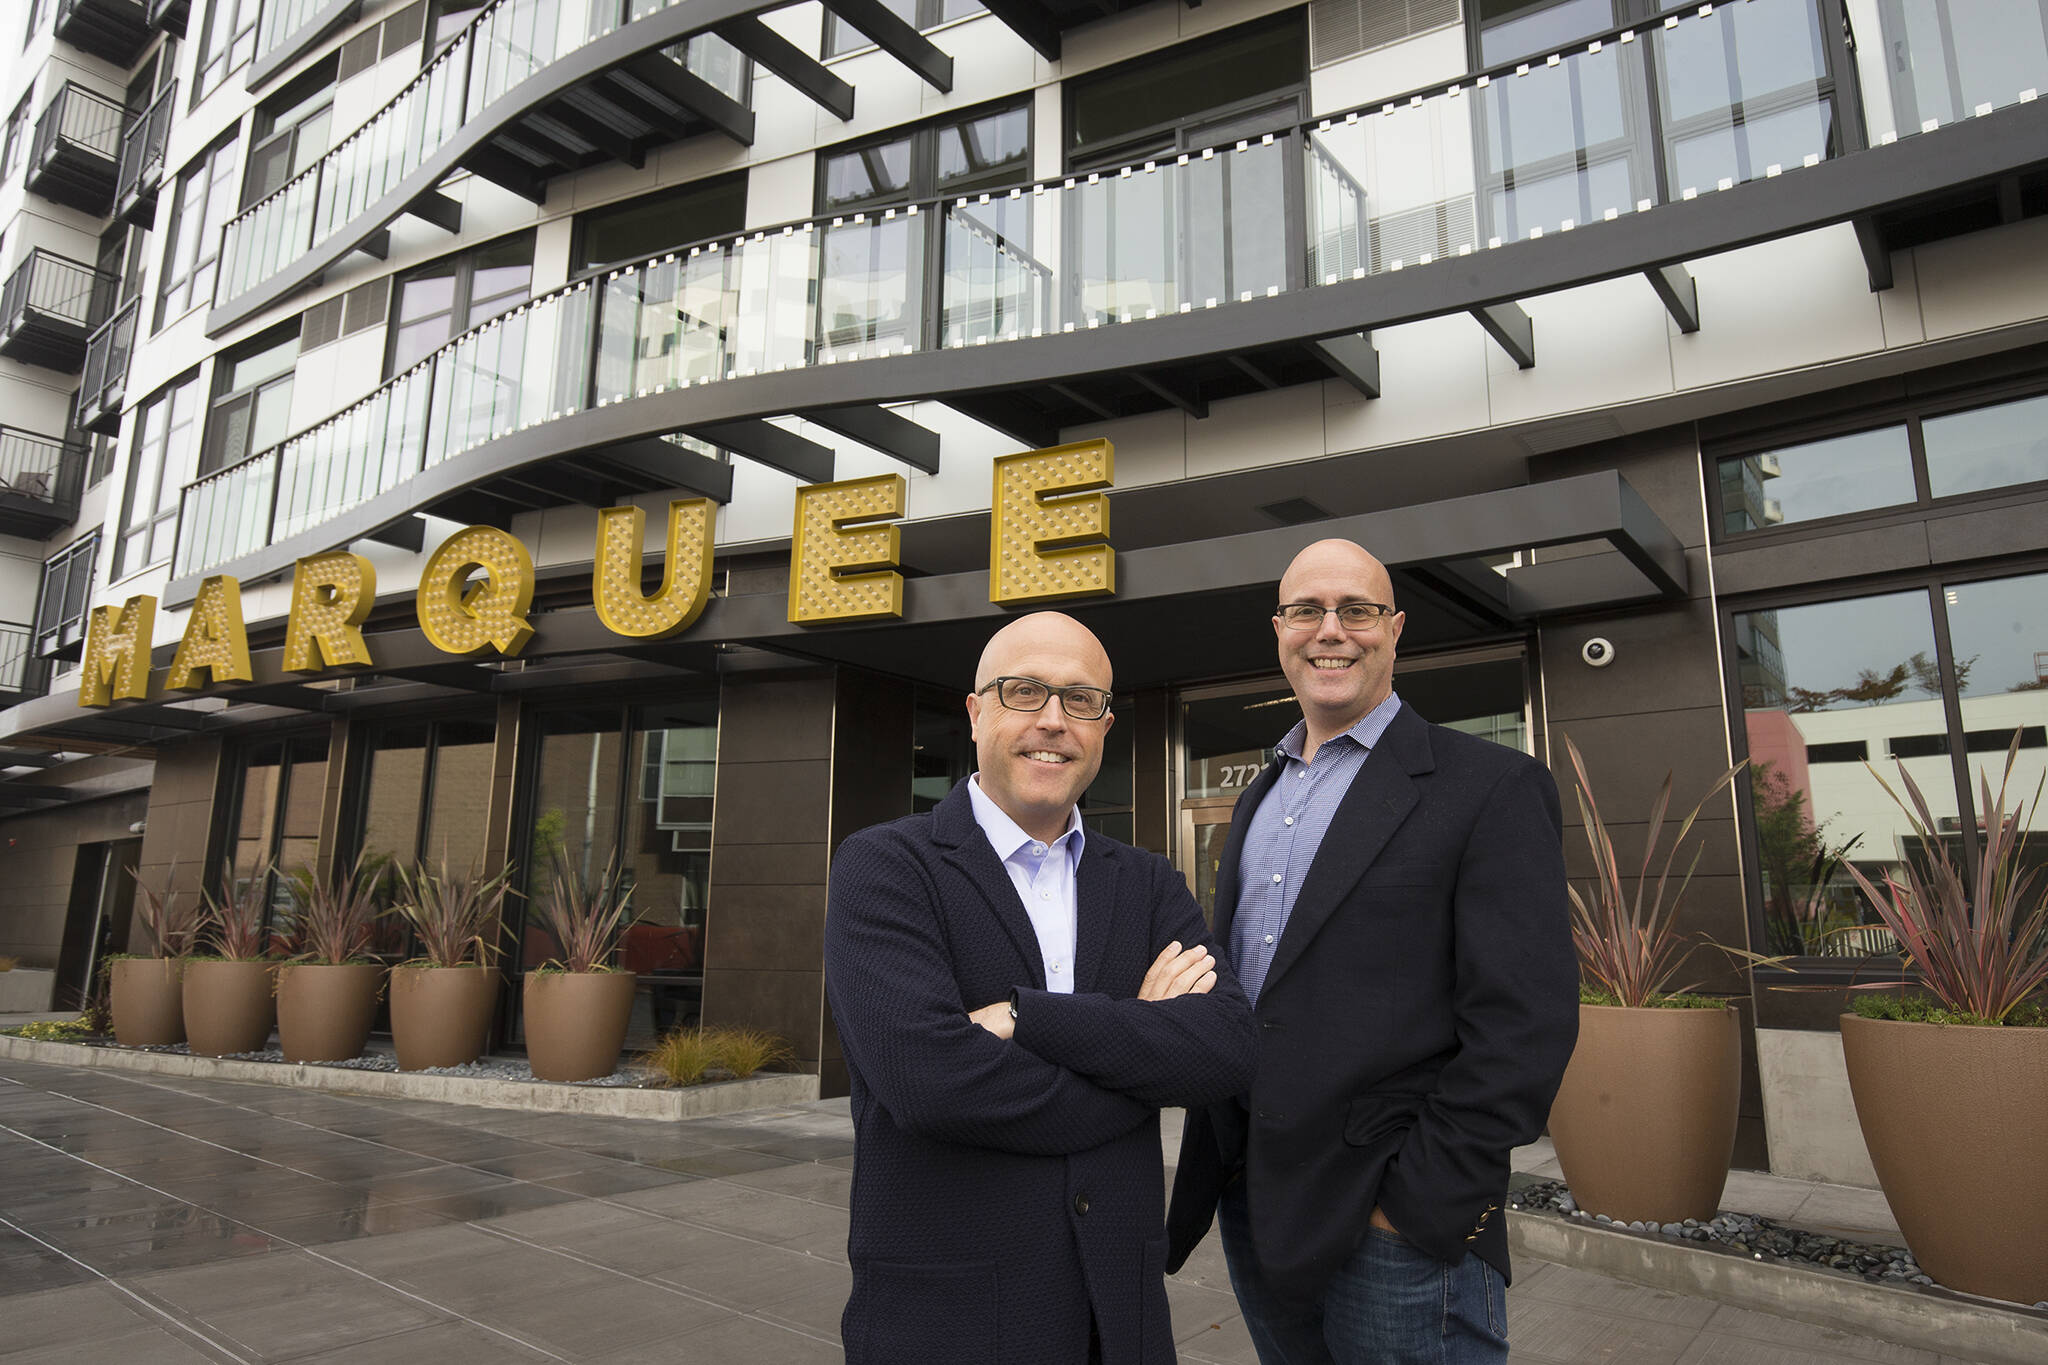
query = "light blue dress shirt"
{"x": 1285, "y": 832}
{"x": 1044, "y": 877}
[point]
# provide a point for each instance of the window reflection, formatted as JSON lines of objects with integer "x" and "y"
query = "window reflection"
{"x": 1817, "y": 479}
{"x": 1938, "y": 60}
{"x": 1999, "y": 630}
{"x": 1742, "y": 91}
{"x": 1992, "y": 447}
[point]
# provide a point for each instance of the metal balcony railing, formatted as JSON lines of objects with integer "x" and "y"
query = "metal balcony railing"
{"x": 141, "y": 170}
{"x": 46, "y": 310}
{"x": 105, "y": 375}
{"x": 1613, "y": 128}
{"x": 22, "y": 674}
{"x": 114, "y": 29}
{"x": 169, "y": 16}
{"x": 506, "y": 43}
{"x": 40, "y": 479}
{"x": 76, "y": 150}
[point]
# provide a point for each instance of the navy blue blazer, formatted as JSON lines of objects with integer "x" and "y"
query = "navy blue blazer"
{"x": 1417, "y": 1018}
{"x": 1006, "y": 1192}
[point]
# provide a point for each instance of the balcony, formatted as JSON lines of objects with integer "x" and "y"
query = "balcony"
{"x": 40, "y": 478}
{"x": 1167, "y": 284}
{"x": 289, "y": 29}
{"x": 47, "y": 310}
{"x": 102, "y": 394}
{"x": 114, "y": 29}
{"x": 77, "y": 150}
{"x": 22, "y": 674}
{"x": 140, "y": 172}
{"x": 170, "y": 16}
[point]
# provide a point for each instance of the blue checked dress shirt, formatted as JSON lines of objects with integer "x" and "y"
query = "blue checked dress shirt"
{"x": 1285, "y": 833}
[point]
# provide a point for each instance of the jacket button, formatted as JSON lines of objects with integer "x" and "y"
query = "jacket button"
{"x": 1080, "y": 1203}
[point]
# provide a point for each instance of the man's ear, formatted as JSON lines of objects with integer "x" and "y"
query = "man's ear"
{"x": 974, "y": 715}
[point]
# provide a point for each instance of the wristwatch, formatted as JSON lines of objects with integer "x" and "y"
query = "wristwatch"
{"x": 1013, "y": 1004}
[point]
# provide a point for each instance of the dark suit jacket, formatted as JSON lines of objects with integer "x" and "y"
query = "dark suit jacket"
{"x": 1003, "y": 1190}
{"x": 1418, "y": 1015}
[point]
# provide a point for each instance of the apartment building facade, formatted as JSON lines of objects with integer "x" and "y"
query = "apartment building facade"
{"x": 604, "y": 431}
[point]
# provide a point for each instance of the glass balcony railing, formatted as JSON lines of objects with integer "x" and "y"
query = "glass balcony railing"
{"x": 1926, "y": 64}
{"x": 502, "y": 46}
{"x": 1613, "y": 128}
{"x": 282, "y": 20}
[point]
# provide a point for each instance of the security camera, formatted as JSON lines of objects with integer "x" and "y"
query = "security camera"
{"x": 1598, "y": 652}
{"x": 138, "y": 827}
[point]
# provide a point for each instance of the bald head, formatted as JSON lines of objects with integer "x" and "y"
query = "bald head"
{"x": 1041, "y": 634}
{"x": 1340, "y": 561}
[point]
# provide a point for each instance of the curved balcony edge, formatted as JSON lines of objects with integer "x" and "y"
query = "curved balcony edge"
{"x": 330, "y": 19}
{"x": 1836, "y": 191}
{"x": 665, "y": 28}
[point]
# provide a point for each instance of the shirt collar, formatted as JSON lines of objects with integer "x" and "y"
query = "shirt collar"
{"x": 1007, "y": 837}
{"x": 1366, "y": 733}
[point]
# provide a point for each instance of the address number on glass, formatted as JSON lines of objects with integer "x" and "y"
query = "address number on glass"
{"x": 1237, "y": 774}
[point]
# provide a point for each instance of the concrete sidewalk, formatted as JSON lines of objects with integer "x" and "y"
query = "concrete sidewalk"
{"x": 150, "y": 1218}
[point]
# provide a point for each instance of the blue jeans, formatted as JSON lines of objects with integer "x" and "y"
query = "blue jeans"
{"x": 1390, "y": 1304}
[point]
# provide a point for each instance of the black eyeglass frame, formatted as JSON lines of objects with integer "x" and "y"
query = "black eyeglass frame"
{"x": 1376, "y": 612}
{"x": 996, "y": 684}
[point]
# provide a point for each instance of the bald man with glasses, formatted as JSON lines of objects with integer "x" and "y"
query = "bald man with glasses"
{"x": 1017, "y": 998}
{"x": 1392, "y": 899}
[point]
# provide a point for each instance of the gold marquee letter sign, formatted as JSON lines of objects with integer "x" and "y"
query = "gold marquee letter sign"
{"x": 116, "y": 663}
{"x": 215, "y": 638}
{"x": 841, "y": 574}
{"x": 1043, "y": 548}
{"x": 331, "y": 595}
{"x": 685, "y": 576}
{"x": 462, "y": 617}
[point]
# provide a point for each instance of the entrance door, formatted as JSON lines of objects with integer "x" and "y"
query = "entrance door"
{"x": 96, "y": 924}
{"x": 1226, "y": 736}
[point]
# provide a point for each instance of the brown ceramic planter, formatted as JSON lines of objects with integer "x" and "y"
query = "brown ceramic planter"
{"x": 1644, "y": 1123}
{"x": 441, "y": 1016}
{"x": 229, "y": 1006}
{"x": 576, "y": 1023}
{"x": 148, "y": 1000}
{"x": 1956, "y": 1120}
{"x": 324, "y": 1012}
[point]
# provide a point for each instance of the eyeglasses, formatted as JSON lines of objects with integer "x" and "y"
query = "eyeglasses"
{"x": 1350, "y": 615}
{"x": 1029, "y": 694}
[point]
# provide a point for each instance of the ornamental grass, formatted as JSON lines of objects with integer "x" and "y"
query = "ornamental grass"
{"x": 233, "y": 917}
{"x": 587, "y": 917}
{"x": 457, "y": 917}
{"x": 172, "y": 918}
{"x": 689, "y": 1055}
{"x": 1984, "y": 956}
{"x": 334, "y": 922}
{"x": 1628, "y": 941}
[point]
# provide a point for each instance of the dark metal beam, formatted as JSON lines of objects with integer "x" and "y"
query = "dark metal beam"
{"x": 880, "y": 429}
{"x": 407, "y": 533}
{"x": 1030, "y": 21}
{"x": 671, "y": 466}
{"x": 765, "y": 443}
{"x": 1072, "y": 393}
{"x": 672, "y": 82}
{"x": 34, "y": 797}
{"x": 1017, "y": 417}
{"x": 1255, "y": 373}
{"x": 296, "y": 696}
{"x": 2011, "y": 205}
{"x": 507, "y": 172}
{"x": 1190, "y": 403}
{"x": 1681, "y": 295}
{"x": 611, "y": 141}
{"x": 377, "y": 245}
{"x": 437, "y": 208}
{"x": 1877, "y": 257}
{"x": 460, "y": 677}
{"x": 899, "y": 40}
{"x": 1353, "y": 359}
{"x": 1507, "y": 324}
{"x": 804, "y": 73}
{"x": 552, "y": 150}
{"x": 27, "y": 758}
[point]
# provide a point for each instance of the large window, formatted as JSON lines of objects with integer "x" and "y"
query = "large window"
{"x": 441, "y": 300}
{"x": 252, "y": 399}
{"x": 639, "y": 228}
{"x": 922, "y": 15}
{"x": 290, "y": 132}
{"x": 421, "y": 794}
{"x": 1932, "y": 679}
{"x": 874, "y": 276}
{"x": 1902, "y": 465}
{"x": 165, "y": 432}
{"x": 274, "y": 819}
{"x": 14, "y": 143}
{"x": 629, "y": 788}
{"x": 204, "y": 201}
{"x": 67, "y": 591}
{"x": 227, "y": 43}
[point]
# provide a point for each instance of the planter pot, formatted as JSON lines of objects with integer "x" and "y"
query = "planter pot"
{"x": 441, "y": 1016}
{"x": 324, "y": 1012}
{"x": 1644, "y": 1123}
{"x": 1956, "y": 1120}
{"x": 148, "y": 1001}
{"x": 576, "y": 1023}
{"x": 229, "y": 1006}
